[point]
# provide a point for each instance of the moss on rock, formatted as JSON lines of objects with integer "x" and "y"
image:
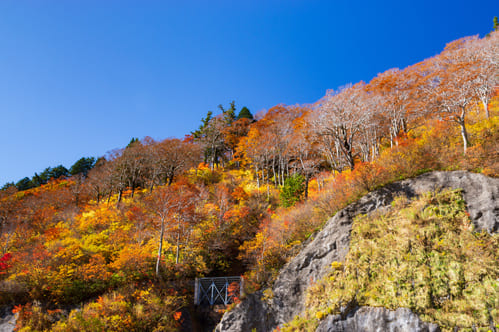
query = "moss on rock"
{"x": 420, "y": 254}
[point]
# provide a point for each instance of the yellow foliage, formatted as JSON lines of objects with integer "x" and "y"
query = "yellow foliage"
{"x": 99, "y": 218}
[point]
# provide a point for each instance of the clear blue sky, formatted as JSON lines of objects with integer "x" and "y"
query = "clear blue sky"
{"x": 80, "y": 78}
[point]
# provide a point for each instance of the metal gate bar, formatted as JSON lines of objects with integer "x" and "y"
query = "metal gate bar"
{"x": 219, "y": 290}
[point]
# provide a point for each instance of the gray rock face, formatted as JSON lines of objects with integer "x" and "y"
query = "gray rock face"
{"x": 376, "y": 320}
{"x": 332, "y": 243}
{"x": 7, "y": 320}
{"x": 480, "y": 192}
{"x": 251, "y": 314}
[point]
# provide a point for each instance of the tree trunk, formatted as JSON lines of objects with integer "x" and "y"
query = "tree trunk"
{"x": 212, "y": 166}
{"x": 306, "y": 186}
{"x": 274, "y": 173}
{"x": 268, "y": 191}
{"x": 257, "y": 177}
{"x": 486, "y": 108}
{"x": 120, "y": 194}
{"x": 160, "y": 249}
{"x": 177, "y": 253}
{"x": 347, "y": 151}
{"x": 350, "y": 160}
{"x": 464, "y": 135}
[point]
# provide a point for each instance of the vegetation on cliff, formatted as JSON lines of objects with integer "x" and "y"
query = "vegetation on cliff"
{"x": 422, "y": 255}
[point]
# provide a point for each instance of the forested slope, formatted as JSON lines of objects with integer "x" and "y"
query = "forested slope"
{"x": 122, "y": 241}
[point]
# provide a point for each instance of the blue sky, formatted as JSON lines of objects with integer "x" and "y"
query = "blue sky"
{"x": 80, "y": 78}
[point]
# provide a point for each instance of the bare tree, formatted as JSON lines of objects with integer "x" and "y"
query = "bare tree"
{"x": 175, "y": 209}
{"x": 340, "y": 117}
{"x": 486, "y": 54}
{"x": 450, "y": 85}
{"x": 168, "y": 158}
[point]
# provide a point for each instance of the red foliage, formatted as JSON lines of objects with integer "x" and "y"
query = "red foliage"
{"x": 3, "y": 262}
{"x": 177, "y": 315}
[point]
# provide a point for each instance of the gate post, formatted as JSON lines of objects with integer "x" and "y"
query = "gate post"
{"x": 226, "y": 300}
{"x": 196, "y": 291}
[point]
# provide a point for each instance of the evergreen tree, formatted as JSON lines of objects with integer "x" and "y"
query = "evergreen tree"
{"x": 245, "y": 113}
{"x": 49, "y": 173}
{"x": 198, "y": 133}
{"x": 132, "y": 141}
{"x": 24, "y": 184}
{"x": 58, "y": 172}
{"x": 229, "y": 114}
{"x": 8, "y": 185}
{"x": 38, "y": 179}
{"x": 82, "y": 166}
{"x": 495, "y": 26}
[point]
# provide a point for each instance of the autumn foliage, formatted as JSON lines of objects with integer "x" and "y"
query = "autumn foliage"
{"x": 239, "y": 196}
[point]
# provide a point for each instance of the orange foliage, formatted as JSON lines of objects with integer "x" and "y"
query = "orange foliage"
{"x": 65, "y": 249}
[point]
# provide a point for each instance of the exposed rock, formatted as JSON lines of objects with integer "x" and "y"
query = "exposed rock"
{"x": 332, "y": 244}
{"x": 480, "y": 192}
{"x": 368, "y": 319}
{"x": 7, "y": 320}
{"x": 252, "y": 314}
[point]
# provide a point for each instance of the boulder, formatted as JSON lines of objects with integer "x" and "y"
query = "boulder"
{"x": 369, "y": 319}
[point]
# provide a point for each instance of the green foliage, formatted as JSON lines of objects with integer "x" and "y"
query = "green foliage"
{"x": 229, "y": 114}
{"x": 198, "y": 133}
{"x": 8, "y": 185}
{"x": 42, "y": 178}
{"x": 132, "y": 142}
{"x": 421, "y": 255}
{"x": 82, "y": 166}
{"x": 53, "y": 173}
{"x": 245, "y": 113}
{"x": 293, "y": 190}
{"x": 24, "y": 184}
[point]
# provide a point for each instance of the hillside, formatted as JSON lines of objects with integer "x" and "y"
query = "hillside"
{"x": 304, "y": 284}
{"x": 116, "y": 243}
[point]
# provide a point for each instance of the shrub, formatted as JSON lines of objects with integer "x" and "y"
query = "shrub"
{"x": 293, "y": 190}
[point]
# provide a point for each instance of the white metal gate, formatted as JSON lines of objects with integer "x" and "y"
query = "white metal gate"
{"x": 219, "y": 290}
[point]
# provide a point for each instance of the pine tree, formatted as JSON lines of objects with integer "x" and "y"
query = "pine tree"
{"x": 82, "y": 166}
{"x": 24, "y": 184}
{"x": 8, "y": 185}
{"x": 245, "y": 113}
{"x": 132, "y": 141}
{"x": 230, "y": 113}
{"x": 204, "y": 123}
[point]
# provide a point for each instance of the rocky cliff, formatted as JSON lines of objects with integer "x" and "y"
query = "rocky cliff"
{"x": 332, "y": 244}
{"x": 7, "y": 320}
